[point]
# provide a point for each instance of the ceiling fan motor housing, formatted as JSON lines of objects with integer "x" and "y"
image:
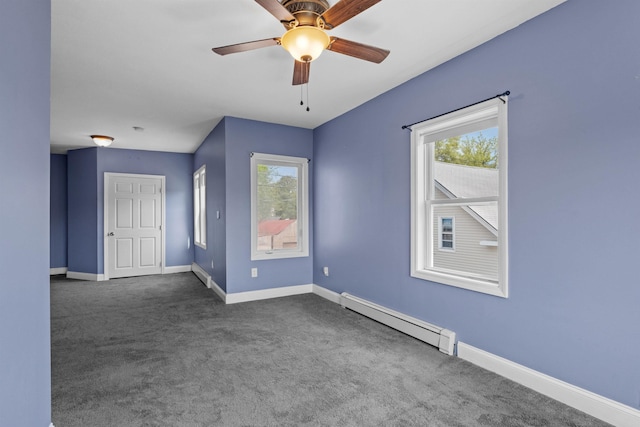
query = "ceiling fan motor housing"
{"x": 307, "y": 12}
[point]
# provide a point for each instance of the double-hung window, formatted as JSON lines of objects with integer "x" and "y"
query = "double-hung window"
{"x": 459, "y": 199}
{"x": 200, "y": 207}
{"x": 279, "y": 206}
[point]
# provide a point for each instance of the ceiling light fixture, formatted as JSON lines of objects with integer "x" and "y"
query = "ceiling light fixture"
{"x": 305, "y": 43}
{"x": 102, "y": 140}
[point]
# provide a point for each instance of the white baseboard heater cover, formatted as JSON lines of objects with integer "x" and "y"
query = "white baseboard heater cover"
{"x": 441, "y": 338}
{"x": 201, "y": 274}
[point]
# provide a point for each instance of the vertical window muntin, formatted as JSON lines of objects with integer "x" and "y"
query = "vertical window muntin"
{"x": 485, "y": 115}
{"x": 285, "y": 167}
{"x": 200, "y": 207}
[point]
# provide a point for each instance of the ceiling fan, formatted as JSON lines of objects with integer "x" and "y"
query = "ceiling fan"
{"x": 306, "y": 22}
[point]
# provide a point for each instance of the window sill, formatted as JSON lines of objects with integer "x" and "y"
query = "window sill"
{"x": 260, "y": 256}
{"x": 476, "y": 285}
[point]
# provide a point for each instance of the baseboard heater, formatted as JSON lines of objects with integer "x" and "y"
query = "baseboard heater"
{"x": 201, "y": 274}
{"x": 441, "y": 338}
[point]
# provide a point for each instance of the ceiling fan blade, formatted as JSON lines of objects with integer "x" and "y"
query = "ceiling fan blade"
{"x": 345, "y": 10}
{"x": 243, "y": 47}
{"x": 301, "y": 72}
{"x": 276, "y": 9}
{"x": 358, "y": 50}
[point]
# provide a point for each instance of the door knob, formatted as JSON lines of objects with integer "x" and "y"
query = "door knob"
{"x": 110, "y": 234}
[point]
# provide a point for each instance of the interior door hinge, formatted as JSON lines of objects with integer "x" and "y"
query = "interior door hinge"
{"x": 160, "y": 228}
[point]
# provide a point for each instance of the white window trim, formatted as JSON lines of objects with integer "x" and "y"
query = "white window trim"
{"x": 200, "y": 201}
{"x": 423, "y": 134}
{"x": 303, "y": 206}
{"x": 453, "y": 234}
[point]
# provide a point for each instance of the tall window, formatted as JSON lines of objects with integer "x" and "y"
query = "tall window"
{"x": 279, "y": 206}
{"x": 459, "y": 199}
{"x": 200, "y": 207}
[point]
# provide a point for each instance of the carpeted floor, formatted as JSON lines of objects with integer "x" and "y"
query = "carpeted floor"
{"x": 165, "y": 351}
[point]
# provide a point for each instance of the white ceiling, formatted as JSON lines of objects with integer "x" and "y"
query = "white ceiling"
{"x": 117, "y": 64}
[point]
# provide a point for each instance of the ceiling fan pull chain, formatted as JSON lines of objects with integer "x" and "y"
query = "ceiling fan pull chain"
{"x": 307, "y": 85}
{"x": 301, "y": 103}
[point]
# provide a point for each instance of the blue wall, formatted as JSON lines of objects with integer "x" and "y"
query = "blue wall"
{"x": 58, "y": 212}
{"x": 82, "y": 211}
{"x": 176, "y": 168}
{"x": 228, "y": 148}
{"x": 243, "y": 138}
{"x": 86, "y": 168}
{"x": 574, "y": 124}
{"x": 211, "y": 153}
{"x": 25, "y": 364}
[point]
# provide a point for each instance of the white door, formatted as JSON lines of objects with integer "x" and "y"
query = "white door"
{"x": 133, "y": 225}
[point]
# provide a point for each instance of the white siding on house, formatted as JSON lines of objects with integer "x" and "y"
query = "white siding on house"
{"x": 469, "y": 256}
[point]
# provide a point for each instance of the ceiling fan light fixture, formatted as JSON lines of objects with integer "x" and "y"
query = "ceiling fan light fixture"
{"x": 305, "y": 43}
{"x": 102, "y": 140}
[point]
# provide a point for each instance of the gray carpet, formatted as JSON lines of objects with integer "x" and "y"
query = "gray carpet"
{"x": 165, "y": 351}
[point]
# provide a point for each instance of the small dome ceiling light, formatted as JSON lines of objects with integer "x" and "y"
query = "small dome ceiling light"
{"x": 102, "y": 140}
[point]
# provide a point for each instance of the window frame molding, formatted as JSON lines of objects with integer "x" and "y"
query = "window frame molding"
{"x": 198, "y": 230}
{"x": 423, "y": 135}
{"x": 302, "y": 250}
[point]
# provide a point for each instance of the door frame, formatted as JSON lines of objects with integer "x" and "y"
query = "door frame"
{"x": 105, "y": 213}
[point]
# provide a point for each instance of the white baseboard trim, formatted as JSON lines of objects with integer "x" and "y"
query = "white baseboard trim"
{"x": 177, "y": 269}
{"x": 201, "y": 274}
{"x": 327, "y": 294}
{"x": 268, "y": 293}
{"x": 100, "y": 277}
{"x": 285, "y": 291}
{"x": 593, "y": 404}
{"x": 208, "y": 281}
{"x": 218, "y": 290}
{"x": 57, "y": 270}
{"x": 92, "y": 277}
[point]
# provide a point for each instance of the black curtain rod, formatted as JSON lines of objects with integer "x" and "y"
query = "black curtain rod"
{"x": 506, "y": 93}
{"x": 252, "y": 153}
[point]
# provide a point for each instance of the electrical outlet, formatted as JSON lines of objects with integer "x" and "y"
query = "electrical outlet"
{"x": 325, "y": 271}
{"x": 254, "y": 272}
{"x": 212, "y": 265}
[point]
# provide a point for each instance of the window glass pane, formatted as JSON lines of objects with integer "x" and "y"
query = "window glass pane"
{"x": 473, "y": 224}
{"x": 196, "y": 208}
{"x": 203, "y": 211}
{"x": 277, "y": 206}
{"x": 467, "y": 165}
{"x": 199, "y": 208}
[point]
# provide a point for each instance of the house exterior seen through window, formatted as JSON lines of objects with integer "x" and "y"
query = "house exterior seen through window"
{"x": 279, "y": 206}
{"x": 459, "y": 190}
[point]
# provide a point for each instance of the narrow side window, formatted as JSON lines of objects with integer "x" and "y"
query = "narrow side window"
{"x": 200, "y": 207}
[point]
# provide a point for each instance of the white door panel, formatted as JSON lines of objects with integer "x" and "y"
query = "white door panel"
{"x": 133, "y": 209}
